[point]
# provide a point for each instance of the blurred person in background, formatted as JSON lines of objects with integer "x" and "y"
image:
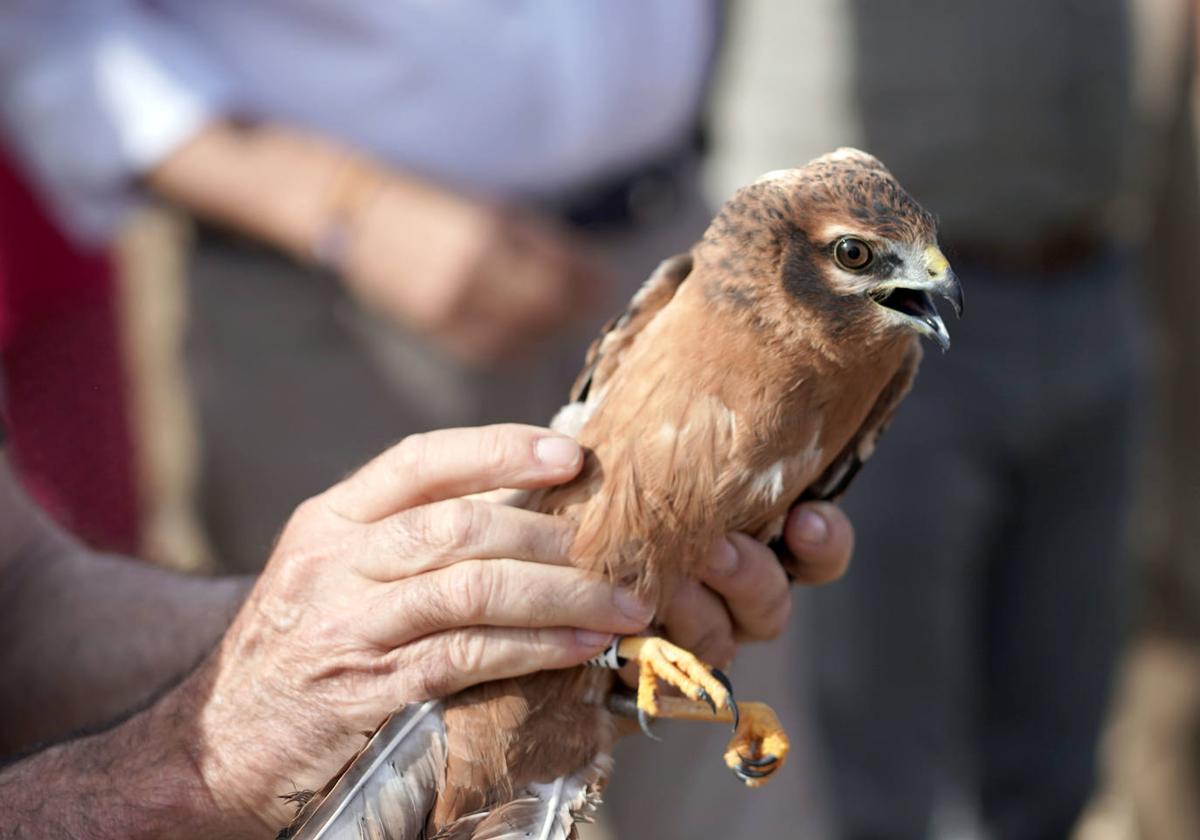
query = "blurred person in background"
{"x": 485, "y": 183}
{"x": 971, "y": 649}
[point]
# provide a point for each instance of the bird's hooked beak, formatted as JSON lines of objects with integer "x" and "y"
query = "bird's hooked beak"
{"x": 909, "y": 294}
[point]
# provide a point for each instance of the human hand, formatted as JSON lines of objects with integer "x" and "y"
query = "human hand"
{"x": 745, "y": 595}
{"x": 486, "y": 283}
{"x": 391, "y": 589}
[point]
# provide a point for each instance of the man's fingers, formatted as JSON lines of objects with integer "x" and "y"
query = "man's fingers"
{"x": 445, "y": 663}
{"x": 440, "y": 465}
{"x": 748, "y": 576}
{"x": 501, "y": 593}
{"x": 573, "y": 276}
{"x": 821, "y": 538}
{"x": 698, "y": 621}
{"x": 437, "y": 535}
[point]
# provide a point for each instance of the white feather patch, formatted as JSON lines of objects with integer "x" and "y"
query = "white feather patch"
{"x": 776, "y": 175}
{"x": 769, "y": 484}
{"x": 554, "y": 802}
{"x": 644, "y": 291}
{"x": 547, "y": 811}
{"x": 723, "y": 413}
{"x": 866, "y": 446}
{"x": 847, "y": 153}
{"x": 572, "y": 417}
{"x": 667, "y": 433}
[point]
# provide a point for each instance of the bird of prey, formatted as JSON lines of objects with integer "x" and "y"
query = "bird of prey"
{"x": 756, "y": 369}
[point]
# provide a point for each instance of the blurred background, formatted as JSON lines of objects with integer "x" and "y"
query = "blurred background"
{"x": 244, "y": 248}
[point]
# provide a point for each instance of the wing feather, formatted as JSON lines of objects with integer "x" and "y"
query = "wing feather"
{"x": 546, "y": 812}
{"x": 836, "y": 479}
{"x": 387, "y": 790}
{"x": 604, "y": 356}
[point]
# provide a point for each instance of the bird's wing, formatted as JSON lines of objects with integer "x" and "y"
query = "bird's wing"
{"x": 836, "y": 478}
{"x": 604, "y": 356}
{"x": 600, "y": 374}
{"x": 387, "y": 791}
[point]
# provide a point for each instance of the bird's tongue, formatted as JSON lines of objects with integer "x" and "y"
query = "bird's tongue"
{"x": 913, "y": 302}
{"x": 918, "y": 305}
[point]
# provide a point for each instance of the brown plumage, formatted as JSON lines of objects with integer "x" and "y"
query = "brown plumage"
{"x": 758, "y": 368}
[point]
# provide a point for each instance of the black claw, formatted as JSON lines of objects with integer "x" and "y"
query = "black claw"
{"x": 729, "y": 701}
{"x": 704, "y": 695}
{"x": 720, "y": 677}
{"x": 643, "y": 720}
{"x": 759, "y": 762}
{"x": 745, "y": 773}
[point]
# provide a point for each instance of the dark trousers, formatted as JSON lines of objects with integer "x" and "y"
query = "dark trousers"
{"x": 974, "y": 638}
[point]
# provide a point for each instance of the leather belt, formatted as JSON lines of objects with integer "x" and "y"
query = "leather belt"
{"x": 648, "y": 193}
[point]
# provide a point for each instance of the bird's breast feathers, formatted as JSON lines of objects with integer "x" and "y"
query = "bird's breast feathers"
{"x": 700, "y": 430}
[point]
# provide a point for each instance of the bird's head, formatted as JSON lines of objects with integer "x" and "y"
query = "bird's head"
{"x": 840, "y": 240}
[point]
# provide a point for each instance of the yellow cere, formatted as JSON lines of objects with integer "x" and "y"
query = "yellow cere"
{"x": 936, "y": 261}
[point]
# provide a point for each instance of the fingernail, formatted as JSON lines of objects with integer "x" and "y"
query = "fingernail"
{"x": 590, "y": 638}
{"x": 811, "y": 528}
{"x": 724, "y": 558}
{"x": 633, "y": 606}
{"x": 557, "y": 452}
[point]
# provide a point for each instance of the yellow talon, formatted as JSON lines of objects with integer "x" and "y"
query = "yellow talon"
{"x": 657, "y": 660}
{"x": 759, "y": 745}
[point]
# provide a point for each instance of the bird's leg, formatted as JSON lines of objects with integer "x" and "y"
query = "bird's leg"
{"x": 759, "y": 744}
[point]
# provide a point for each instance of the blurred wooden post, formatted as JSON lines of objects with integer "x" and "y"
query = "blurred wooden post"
{"x": 1151, "y": 751}
{"x": 151, "y": 262}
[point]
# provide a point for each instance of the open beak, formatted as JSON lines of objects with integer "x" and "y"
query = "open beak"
{"x": 911, "y": 295}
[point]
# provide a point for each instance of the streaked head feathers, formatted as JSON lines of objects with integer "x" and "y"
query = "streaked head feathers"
{"x": 839, "y": 226}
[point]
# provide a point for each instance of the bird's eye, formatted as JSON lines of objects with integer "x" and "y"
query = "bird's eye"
{"x": 852, "y": 253}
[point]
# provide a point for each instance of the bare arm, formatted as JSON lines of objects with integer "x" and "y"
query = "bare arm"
{"x": 352, "y": 617}
{"x": 138, "y": 780}
{"x": 481, "y": 280}
{"x": 85, "y": 637}
{"x": 269, "y": 183}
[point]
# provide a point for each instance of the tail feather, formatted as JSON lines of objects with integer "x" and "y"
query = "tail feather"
{"x": 533, "y": 817}
{"x": 546, "y": 811}
{"x": 388, "y": 791}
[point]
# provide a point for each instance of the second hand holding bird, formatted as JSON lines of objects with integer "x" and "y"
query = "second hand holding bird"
{"x": 744, "y": 595}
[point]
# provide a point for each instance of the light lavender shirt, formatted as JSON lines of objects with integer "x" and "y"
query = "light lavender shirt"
{"x": 522, "y": 97}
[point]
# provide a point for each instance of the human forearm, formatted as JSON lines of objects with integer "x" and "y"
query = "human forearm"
{"x": 126, "y": 629}
{"x": 266, "y": 181}
{"x": 481, "y": 279}
{"x": 138, "y": 780}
